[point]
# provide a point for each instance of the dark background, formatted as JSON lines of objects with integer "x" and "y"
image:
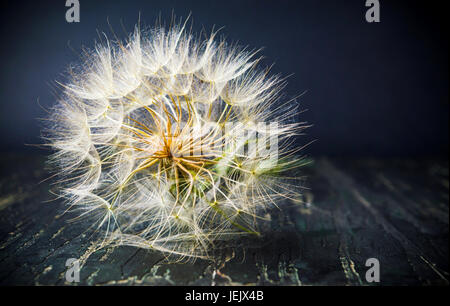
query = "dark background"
{"x": 373, "y": 89}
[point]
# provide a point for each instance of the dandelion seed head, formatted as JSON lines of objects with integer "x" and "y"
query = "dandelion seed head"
{"x": 162, "y": 139}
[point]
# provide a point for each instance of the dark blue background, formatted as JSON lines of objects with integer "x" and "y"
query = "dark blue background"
{"x": 377, "y": 89}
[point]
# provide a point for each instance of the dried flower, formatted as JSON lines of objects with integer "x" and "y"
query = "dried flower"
{"x": 173, "y": 142}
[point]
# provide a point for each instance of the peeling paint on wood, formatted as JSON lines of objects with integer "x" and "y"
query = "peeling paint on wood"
{"x": 393, "y": 210}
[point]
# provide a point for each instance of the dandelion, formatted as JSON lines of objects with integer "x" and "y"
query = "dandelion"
{"x": 172, "y": 142}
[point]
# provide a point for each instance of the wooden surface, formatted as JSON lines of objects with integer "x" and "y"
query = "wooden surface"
{"x": 393, "y": 210}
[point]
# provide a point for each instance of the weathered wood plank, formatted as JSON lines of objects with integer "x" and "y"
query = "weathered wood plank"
{"x": 395, "y": 211}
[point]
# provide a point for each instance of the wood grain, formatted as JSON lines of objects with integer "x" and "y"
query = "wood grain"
{"x": 394, "y": 210}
